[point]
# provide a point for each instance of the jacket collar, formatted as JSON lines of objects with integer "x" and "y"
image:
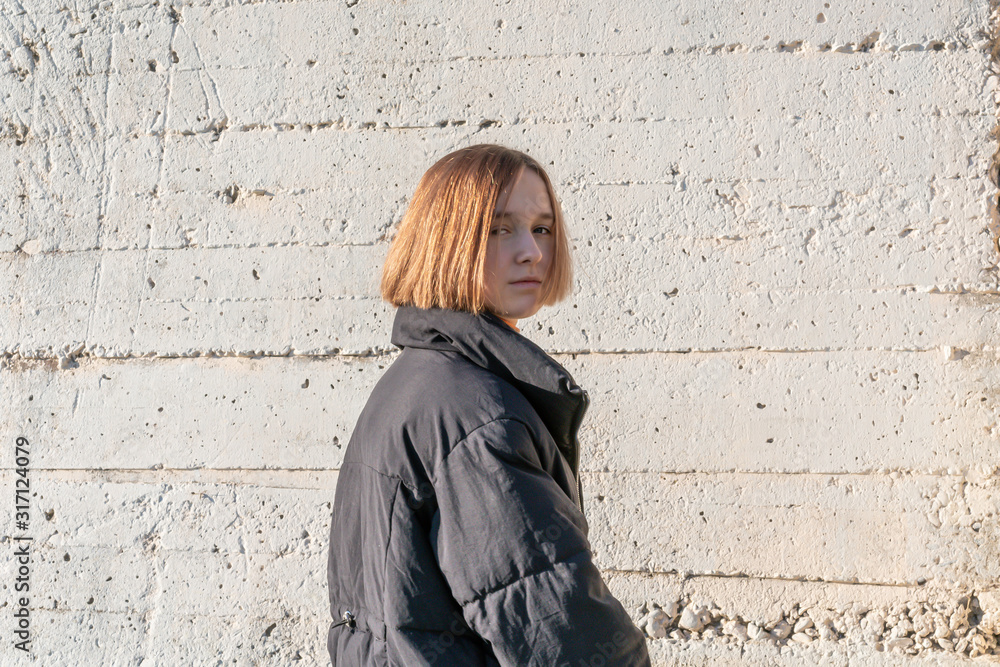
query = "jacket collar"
{"x": 489, "y": 343}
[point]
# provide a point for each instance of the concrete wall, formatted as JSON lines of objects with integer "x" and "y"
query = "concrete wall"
{"x": 786, "y": 308}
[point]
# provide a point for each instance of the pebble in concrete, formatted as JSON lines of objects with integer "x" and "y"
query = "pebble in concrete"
{"x": 920, "y": 627}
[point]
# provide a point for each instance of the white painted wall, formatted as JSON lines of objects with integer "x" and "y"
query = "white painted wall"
{"x": 786, "y": 309}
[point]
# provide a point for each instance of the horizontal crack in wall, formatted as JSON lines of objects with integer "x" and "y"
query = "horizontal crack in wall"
{"x": 69, "y": 356}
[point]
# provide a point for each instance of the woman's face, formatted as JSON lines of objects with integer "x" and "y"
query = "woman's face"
{"x": 519, "y": 250}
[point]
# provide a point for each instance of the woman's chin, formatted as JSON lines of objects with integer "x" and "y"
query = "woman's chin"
{"x": 522, "y": 313}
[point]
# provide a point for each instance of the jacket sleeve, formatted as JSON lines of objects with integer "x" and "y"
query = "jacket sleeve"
{"x": 514, "y": 550}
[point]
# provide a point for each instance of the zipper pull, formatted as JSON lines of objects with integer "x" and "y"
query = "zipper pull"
{"x": 348, "y": 619}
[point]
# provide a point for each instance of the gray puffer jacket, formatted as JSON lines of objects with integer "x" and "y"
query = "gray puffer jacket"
{"x": 458, "y": 535}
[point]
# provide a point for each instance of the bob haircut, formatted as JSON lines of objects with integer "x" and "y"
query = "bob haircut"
{"x": 438, "y": 257}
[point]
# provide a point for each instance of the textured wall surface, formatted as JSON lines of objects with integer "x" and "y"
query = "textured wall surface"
{"x": 786, "y": 312}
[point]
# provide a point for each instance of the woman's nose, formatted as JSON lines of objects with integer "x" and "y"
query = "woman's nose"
{"x": 528, "y": 250}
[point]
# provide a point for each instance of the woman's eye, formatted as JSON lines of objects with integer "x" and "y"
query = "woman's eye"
{"x": 496, "y": 231}
{"x": 542, "y": 230}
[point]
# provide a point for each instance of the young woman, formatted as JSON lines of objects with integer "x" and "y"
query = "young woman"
{"x": 458, "y": 535}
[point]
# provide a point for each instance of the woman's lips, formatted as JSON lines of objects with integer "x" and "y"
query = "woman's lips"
{"x": 528, "y": 283}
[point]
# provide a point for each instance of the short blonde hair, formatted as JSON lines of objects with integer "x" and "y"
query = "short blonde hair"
{"x": 438, "y": 257}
